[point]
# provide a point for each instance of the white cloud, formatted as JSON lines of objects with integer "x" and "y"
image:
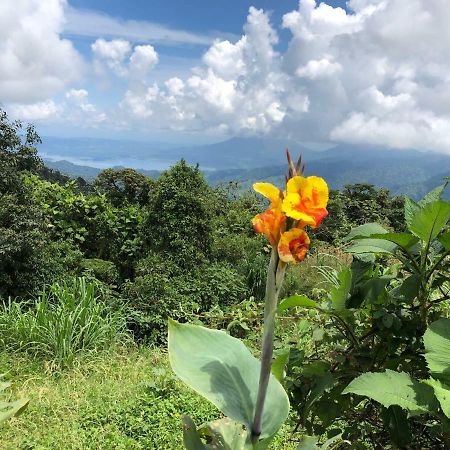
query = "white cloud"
{"x": 35, "y": 62}
{"x": 110, "y": 55}
{"x": 35, "y": 111}
{"x": 318, "y": 69}
{"x": 143, "y": 59}
{"x": 93, "y": 24}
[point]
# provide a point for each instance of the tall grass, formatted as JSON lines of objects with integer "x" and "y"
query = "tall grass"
{"x": 63, "y": 321}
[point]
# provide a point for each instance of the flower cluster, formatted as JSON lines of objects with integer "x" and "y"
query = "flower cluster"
{"x": 302, "y": 203}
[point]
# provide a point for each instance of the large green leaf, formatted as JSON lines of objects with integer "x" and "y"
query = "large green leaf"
{"x": 279, "y": 363}
{"x": 442, "y": 393}
{"x": 364, "y": 231}
{"x": 394, "y": 388}
{"x": 404, "y": 240}
{"x": 396, "y": 421}
{"x": 429, "y": 220}
{"x": 371, "y": 246}
{"x": 191, "y": 438}
{"x": 296, "y": 300}
{"x": 432, "y": 196}
{"x": 437, "y": 349}
{"x": 222, "y": 369}
{"x": 444, "y": 239}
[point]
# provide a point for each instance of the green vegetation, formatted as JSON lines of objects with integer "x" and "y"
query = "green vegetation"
{"x": 91, "y": 273}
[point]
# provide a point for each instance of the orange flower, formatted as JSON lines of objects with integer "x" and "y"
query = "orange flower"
{"x": 293, "y": 245}
{"x": 272, "y": 220}
{"x": 306, "y": 200}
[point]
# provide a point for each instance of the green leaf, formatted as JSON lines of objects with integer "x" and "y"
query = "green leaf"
{"x": 394, "y": 388}
{"x": 279, "y": 364}
{"x": 432, "y": 196}
{"x": 429, "y": 220}
{"x": 191, "y": 437}
{"x": 365, "y": 230}
{"x": 222, "y": 369}
{"x": 296, "y": 300}
{"x": 437, "y": 349}
{"x": 226, "y": 434}
{"x": 404, "y": 240}
{"x": 340, "y": 294}
{"x": 442, "y": 393}
{"x": 408, "y": 290}
{"x": 9, "y": 409}
{"x": 444, "y": 239}
{"x": 308, "y": 443}
{"x": 396, "y": 421}
{"x": 322, "y": 383}
{"x": 411, "y": 209}
{"x": 371, "y": 246}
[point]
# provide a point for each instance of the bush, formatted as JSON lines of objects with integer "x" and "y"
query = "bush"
{"x": 65, "y": 320}
{"x": 105, "y": 271}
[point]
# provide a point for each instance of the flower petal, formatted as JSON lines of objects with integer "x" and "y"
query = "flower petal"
{"x": 293, "y": 245}
{"x": 268, "y": 190}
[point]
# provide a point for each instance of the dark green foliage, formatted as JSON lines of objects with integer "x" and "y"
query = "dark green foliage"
{"x": 178, "y": 220}
{"x": 104, "y": 271}
{"x": 124, "y": 186}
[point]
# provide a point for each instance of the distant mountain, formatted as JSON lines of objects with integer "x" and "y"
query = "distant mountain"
{"x": 87, "y": 172}
{"x": 246, "y": 160}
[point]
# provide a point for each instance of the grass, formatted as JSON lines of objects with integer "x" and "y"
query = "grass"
{"x": 126, "y": 398}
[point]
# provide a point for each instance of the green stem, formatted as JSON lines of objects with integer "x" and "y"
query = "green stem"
{"x": 273, "y": 285}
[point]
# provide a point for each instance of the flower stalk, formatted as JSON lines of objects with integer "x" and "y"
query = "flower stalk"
{"x": 275, "y": 275}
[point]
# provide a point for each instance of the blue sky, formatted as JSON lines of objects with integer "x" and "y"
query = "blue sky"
{"x": 202, "y": 71}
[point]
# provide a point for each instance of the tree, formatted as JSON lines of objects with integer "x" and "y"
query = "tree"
{"x": 178, "y": 219}
{"x": 124, "y": 186}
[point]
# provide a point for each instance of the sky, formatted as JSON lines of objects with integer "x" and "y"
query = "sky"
{"x": 357, "y": 72}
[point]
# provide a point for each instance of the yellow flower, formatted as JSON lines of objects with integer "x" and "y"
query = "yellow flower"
{"x": 306, "y": 200}
{"x": 271, "y": 222}
{"x": 293, "y": 245}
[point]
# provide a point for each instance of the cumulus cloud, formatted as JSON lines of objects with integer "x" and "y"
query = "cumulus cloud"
{"x": 35, "y": 62}
{"x": 362, "y": 75}
{"x": 46, "y": 110}
{"x": 110, "y": 55}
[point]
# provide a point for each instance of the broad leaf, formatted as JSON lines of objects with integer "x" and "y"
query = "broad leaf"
{"x": 408, "y": 290}
{"x": 437, "y": 349}
{"x": 364, "y": 231}
{"x": 225, "y": 434}
{"x": 404, "y": 240}
{"x": 222, "y": 369}
{"x": 442, "y": 393}
{"x": 372, "y": 246}
{"x": 444, "y": 239}
{"x": 296, "y": 300}
{"x": 429, "y": 220}
{"x": 394, "y": 388}
{"x": 340, "y": 294}
{"x": 10, "y": 409}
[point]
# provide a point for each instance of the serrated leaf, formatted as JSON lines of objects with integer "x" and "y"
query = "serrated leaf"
{"x": 437, "y": 349}
{"x": 427, "y": 223}
{"x": 365, "y": 230}
{"x": 394, "y": 388}
{"x": 296, "y": 300}
{"x": 221, "y": 368}
{"x": 411, "y": 209}
{"x": 432, "y": 196}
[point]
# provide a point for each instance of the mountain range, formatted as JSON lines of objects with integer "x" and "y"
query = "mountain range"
{"x": 246, "y": 160}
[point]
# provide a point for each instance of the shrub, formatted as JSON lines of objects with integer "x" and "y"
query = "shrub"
{"x": 63, "y": 321}
{"x": 105, "y": 271}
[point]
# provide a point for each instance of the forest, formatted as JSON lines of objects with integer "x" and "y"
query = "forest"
{"x": 91, "y": 273}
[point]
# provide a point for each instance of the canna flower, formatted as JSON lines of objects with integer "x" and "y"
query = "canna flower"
{"x": 306, "y": 200}
{"x": 271, "y": 222}
{"x": 293, "y": 245}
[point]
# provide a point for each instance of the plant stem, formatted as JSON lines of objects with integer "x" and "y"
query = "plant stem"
{"x": 274, "y": 281}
